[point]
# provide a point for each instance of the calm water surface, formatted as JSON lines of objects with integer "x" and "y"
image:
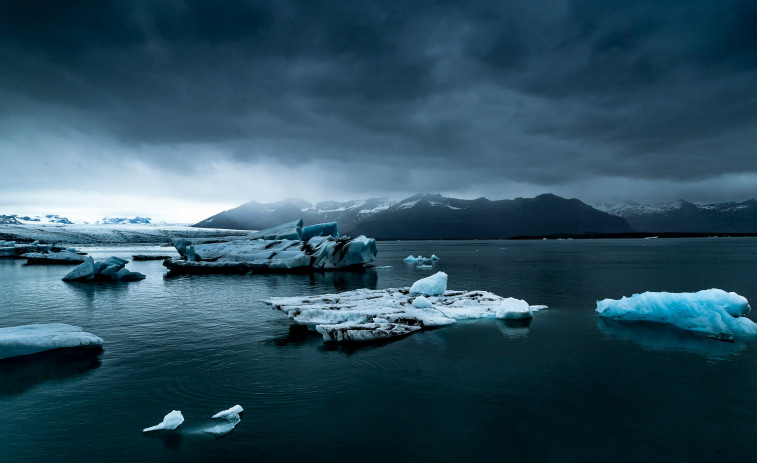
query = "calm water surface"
{"x": 566, "y": 388}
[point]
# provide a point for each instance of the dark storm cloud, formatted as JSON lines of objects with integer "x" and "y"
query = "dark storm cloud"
{"x": 540, "y": 92}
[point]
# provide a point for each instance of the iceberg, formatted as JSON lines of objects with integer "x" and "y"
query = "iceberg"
{"x": 170, "y": 422}
{"x": 709, "y": 311}
{"x": 280, "y": 249}
{"x": 368, "y": 315}
{"x": 419, "y": 259}
{"x": 514, "y": 309}
{"x": 230, "y": 418}
{"x": 111, "y": 269}
{"x": 31, "y": 339}
{"x": 434, "y": 285}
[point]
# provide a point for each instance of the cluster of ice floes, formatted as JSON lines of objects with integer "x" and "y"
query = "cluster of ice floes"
{"x": 711, "y": 311}
{"x": 111, "y": 269}
{"x": 369, "y": 315}
{"x": 287, "y": 247}
{"x": 423, "y": 263}
{"x": 224, "y": 421}
{"x": 31, "y": 339}
{"x": 37, "y": 253}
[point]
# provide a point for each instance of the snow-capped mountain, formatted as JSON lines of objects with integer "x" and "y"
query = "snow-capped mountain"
{"x": 684, "y": 216}
{"x": 428, "y": 216}
{"x": 40, "y": 219}
{"x": 123, "y": 220}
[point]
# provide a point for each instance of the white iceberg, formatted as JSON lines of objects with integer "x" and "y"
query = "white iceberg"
{"x": 230, "y": 413}
{"x": 31, "y": 339}
{"x": 282, "y": 248}
{"x": 710, "y": 311}
{"x": 369, "y": 315}
{"x": 434, "y": 285}
{"x": 171, "y": 421}
{"x": 514, "y": 309}
{"x": 230, "y": 419}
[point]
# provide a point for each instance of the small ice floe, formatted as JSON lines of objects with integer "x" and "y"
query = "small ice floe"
{"x": 170, "y": 422}
{"x": 369, "y": 315}
{"x": 382, "y": 267}
{"x": 31, "y": 339}
{"x": 111, "y": 269}
{"x": 425, "y": 267}
{"x": 228, "y": 421}
{"x": 415, "y": 259}
{"x": 46, "y": 258}
{"x": 711, "y": 311}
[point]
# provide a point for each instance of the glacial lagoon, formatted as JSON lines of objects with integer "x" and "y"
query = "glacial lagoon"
{"x": 569, "y": 386}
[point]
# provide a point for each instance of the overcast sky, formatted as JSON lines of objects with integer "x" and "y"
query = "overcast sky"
{"x": 180, "y": 109}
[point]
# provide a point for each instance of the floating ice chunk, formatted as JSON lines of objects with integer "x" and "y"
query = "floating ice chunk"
{"x": 65, "y": 257}
{"x": 433, "y": 257}
{"x": 425, "y": 267}
{"x": 709, "y": 311}
{"x": 84, "y": 271}
{"x": 382, "y": 267}
{"x": 351, "y": 332}
{"x": 536, "y": 308}
{"x": 31, "y": 339}
{"x": 229, "y": 414}
{"x": 171, "y": 421}
{"x": 421, "y": 302}
{"x": 434, "y": 285}
{"x": 414, "y": 259}
{"x": 514, "y": 309}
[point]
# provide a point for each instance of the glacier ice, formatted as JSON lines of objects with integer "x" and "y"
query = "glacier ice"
{"x": 263, "y": 253}
{"x": 31, "y": 339}
{"x": 171, "y": 421}
{"x": 112, "y": 269}
{"x": 434, "y": 285}
{"x": 709, "y": 311}
{"x": 369, "y": 315}
{"x": 411, "y": 259}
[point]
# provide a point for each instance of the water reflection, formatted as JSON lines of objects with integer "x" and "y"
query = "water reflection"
{"x": 171, "y": 439}
{"x": 662, "y": 337}
{"x": 19, "y": 374}
{"x": 514, "y": 328}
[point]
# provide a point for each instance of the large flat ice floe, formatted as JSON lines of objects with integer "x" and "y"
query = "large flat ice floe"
{"x": 31, "y": 339}
{"x": 709, "y": 311}
{"x": 285, "y": 248}
{"x": 369, "y": 315}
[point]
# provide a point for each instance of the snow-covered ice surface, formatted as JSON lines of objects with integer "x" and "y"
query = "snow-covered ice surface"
{"x": 171, "y": 421}
{"x": 31, "y": 339}
{"x": 369, "y": 315}
{"x": 709, "y": 311}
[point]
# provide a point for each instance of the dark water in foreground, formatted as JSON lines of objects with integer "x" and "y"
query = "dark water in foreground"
{"x": 568, "y": 388}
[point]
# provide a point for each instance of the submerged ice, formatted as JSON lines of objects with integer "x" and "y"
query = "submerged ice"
{"x": 369, "y": 315}
{"x": 709, "y": 311}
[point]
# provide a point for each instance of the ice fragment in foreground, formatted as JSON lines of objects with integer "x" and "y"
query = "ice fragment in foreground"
{"x": 434, "y": 285}
{"x": 421, "y": 302}
{"x": 170, "y": 421}
{"x": 230, "y": 413}
{"x": 708, "y": 311}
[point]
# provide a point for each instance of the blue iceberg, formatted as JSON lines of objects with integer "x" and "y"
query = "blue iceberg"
{"x": 321, "y": 229}
{"x": 709, "y": 311}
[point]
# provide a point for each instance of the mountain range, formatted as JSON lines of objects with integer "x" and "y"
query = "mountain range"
{"x": 687, "y": 217}
{"x": 428, "y": 216}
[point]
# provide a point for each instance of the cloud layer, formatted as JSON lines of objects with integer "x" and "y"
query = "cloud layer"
{"x": 647, "y": 100}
